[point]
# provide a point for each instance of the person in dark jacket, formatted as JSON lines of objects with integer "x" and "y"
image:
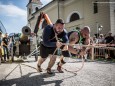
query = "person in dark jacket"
{"x": 50, "y": 43}
{"x": 5, "y": 41}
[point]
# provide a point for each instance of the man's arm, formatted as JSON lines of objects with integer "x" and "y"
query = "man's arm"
{"x": 3, "y": 42}
{"x": 46, "y": 37}
{"x": 85, "y": 49}
{"x": 71, "y": 40}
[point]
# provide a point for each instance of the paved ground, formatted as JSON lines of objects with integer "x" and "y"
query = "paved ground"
{"x": 25, "y": 74}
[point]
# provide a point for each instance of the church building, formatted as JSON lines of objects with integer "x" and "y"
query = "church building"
{"x": 99, "y": 15}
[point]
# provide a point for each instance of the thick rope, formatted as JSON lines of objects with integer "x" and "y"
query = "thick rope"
{"x": 62, "y": 67}
{"x": 78, "y": 69}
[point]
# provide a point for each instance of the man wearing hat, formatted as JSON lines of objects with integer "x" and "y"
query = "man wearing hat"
{"x": 50, "y": 43}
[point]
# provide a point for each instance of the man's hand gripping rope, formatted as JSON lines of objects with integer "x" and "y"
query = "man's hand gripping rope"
{"x": 66, "y": 47}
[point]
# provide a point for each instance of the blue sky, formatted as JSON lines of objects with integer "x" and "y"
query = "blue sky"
{"x": 13, "y": 14}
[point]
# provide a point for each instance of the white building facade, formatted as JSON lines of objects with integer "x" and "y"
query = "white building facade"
{"x": 76, "y": 14}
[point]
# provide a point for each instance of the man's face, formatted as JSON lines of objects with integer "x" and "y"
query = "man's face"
{"x": 86, "y": 35}
{"x": 59, "y": 28}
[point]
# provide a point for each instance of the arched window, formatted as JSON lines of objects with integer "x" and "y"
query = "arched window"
{"x": 74, "y": 17}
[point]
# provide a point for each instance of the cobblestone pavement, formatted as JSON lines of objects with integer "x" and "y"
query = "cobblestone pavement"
{"x": 25, "y": 74}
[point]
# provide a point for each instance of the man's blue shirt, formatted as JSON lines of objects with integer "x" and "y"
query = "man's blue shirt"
{"x": 49, "y": 39}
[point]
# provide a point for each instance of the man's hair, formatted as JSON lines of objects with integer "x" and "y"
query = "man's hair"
{"x": 59, "y": 21}
{"x": 86, "y": 28}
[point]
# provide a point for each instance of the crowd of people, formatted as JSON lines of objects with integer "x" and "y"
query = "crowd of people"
{"x": 7, "y": 47}
{"x": 109, "y": 41}
{"x": 104, "y": 39}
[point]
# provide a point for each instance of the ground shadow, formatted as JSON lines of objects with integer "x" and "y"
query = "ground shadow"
{"x": 28, "y": 80}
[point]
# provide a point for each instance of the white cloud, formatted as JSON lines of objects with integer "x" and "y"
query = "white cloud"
{"x": 12, "y": 10}
{"x": 13, "y": 17}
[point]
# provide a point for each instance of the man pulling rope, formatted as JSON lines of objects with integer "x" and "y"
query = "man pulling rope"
{"x": 77, "y": 37}
{"x": 50, "y": 43}
{"x": 54, "y": 36}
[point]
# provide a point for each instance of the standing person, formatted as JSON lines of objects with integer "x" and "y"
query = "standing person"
{"x": 11, "y": 46}
{"x": 14, "y": 46}
{"x": 5, "y": 46}
{"x": 110, "y": 40}
{"x": 94, "y": 39}
{"x": 0, "y": 47}
{"x": 100, "y": 39}
{"x": 50, "y": 43}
